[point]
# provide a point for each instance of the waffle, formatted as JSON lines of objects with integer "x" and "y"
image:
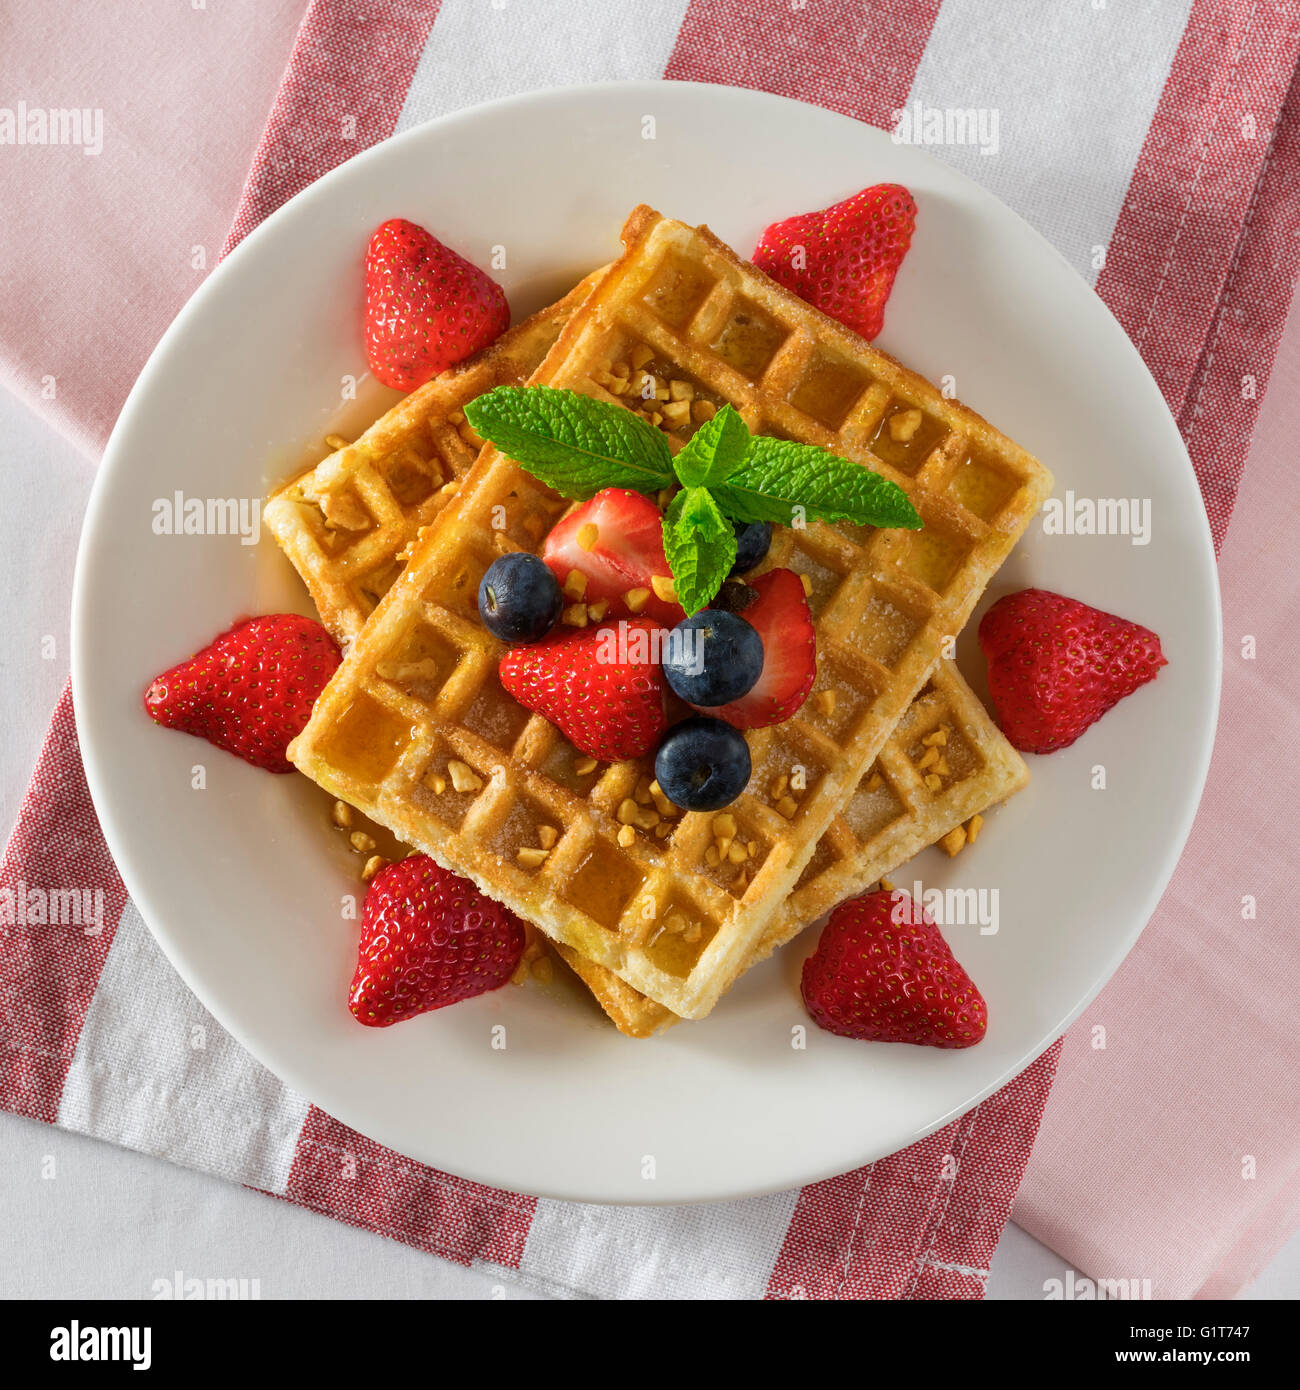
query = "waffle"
{"x": 348, "y": 523}
{"x": 892, "y": 816}
{"x": 416, "y": 731}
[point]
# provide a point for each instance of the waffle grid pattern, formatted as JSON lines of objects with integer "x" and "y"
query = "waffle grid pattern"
{"x": 417, "y": 706}
{"x": 348, "y": 523}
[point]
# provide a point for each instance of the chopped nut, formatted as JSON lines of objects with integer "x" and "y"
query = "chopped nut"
{"x": 942, "y": 769}
{"x": 675, "y": 922}
{"x": 584, "y": 766}
{"x": 806, "y": 581}
{"x": 973, "y": 828}
{"x": 361, "y": 842}
{"x": 547, "y": 836}
{"x": 938, "y": 739}
{"x": 626, "y": 836}
{"x": 952, "y": 842}
{"x": 824, "y": 702}
{"x": 575, "y": 615}
{"x": 621, "y": 368}
{"x": 933, "y": 782}
{"x": 887, "y": 884}
{"x": 463, "y": 777}
{"x": 712, "y": 857}
{"x": 636, "y": 599}
{"x": 531, "y": 858}
{"x": 373, "y": 866}
{"x": 693, "y": 933}
{"x": 662, "y": 804}
{"x": 575, "y": 584}
{"x": 663, "y": 830}
{"x": 724, "y": 824}
{"x": 787, "y": 806}
{"x": 737, "y": 853}
{"x": 504, "y": 544}
{"x": 681, "y": 391}
{"x": 436, "y": 783}
{"x": 875, "y": 782}
{"x": 344, "y": 512}
{"x": 627, "y": 812}
{"x": 929, "y": 759}
{"x": 903, "y": 424}
{"x": 449, "y": 489}
{"x": 664, "y": 587}
{"x": 722, "y": 844}
{"x": 741, "y": 879}
{"x": 596, "y": 611}
{"x": 588, "y": 535}
{"x": 702, "y": 410}
{"x": 779, "y": 786}
{"x": 640, "y": 355}
{"x": 677, "y": 412}
{"x": 341, "y": 815}
{"x": 335, "y": 442}
{"x": 617, "y": 385}
{"x": 457, "y": 417}
{"x": 752, "y": 847}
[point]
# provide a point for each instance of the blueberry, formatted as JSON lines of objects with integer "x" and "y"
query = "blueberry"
{"x": 702, "y": 764}
{"x": 752, "y": 541}
{"x": 519, "y": 599}
{"x": 713, "y": 657}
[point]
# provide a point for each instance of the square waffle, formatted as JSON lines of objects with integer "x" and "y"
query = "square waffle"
{"x": 347, "y": 525}
{"x": 416, "y": 731}
{"x": 893, "y": 815}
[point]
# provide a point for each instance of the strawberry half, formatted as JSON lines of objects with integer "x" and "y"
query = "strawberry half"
{"x": 426, "y": 307}
{"x": 602, "y": 687}
{"x": 778, "y": 610}
{"x": 882, "y": 973}
{"x": 428, "y": 939}
{"x": 624, "y": 553}
{"x": 251, "y": 691}
{"x": 1056, "y": 666}
{"x": 843, "y": 259}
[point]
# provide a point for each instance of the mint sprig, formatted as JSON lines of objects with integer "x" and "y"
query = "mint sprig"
{"x": 699, "y": 545}
{"x": 574, "y": 444}
{"x": 578, "y": 446}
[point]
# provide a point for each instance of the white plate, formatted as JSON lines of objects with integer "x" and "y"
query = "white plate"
{"x": 241, "y": 883}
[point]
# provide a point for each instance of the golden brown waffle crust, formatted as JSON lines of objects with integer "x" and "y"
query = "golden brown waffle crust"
{"x": 886, "y": 606}
{"x": 348, "y": 522}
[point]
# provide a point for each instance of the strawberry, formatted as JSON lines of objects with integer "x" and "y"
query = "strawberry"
{"x": 426, "y": 307}
{"x": 625, "y": 552}
{"x": 1056, "y": 665}
{"x": 775, "y": 605}
{"x": 602, "y": 687}
{"x": 251, "y": 691}
{"x": 843, "y": 259}
{"x": 428, "y": 939}
{"x": 882, "y": 973}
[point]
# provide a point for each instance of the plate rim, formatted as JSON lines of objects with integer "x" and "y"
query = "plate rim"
{"x": 115, "y": 458}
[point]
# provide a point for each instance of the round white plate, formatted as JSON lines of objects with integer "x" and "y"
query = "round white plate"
{"x": 242, "y": 882}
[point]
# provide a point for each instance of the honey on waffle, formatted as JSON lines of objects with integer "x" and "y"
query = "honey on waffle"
{"x": 417, "y": 706}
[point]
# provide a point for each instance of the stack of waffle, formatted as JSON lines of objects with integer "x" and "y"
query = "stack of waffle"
{"x": 890, "y": 753}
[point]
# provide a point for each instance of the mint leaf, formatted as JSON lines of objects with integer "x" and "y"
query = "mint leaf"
{"x": 700, "y": 545}
{"x": 571, "y": 442}
{"x": 714, "y": 450}
{"x": 781, "y": 481}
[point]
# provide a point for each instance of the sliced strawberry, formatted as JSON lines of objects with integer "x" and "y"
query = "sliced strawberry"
{"x": 843, "y": 259}
{"x": 251, "y": 690}
{"x": 623, "y": 554}
{"x": 602, "y": 687}
{"x": 883, "y": 973}
{"x": 1056, "y": 665}
{"x": 782, "y": 618}
{"x": 426, "y": 307}
{"x": 428, "y": 939}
